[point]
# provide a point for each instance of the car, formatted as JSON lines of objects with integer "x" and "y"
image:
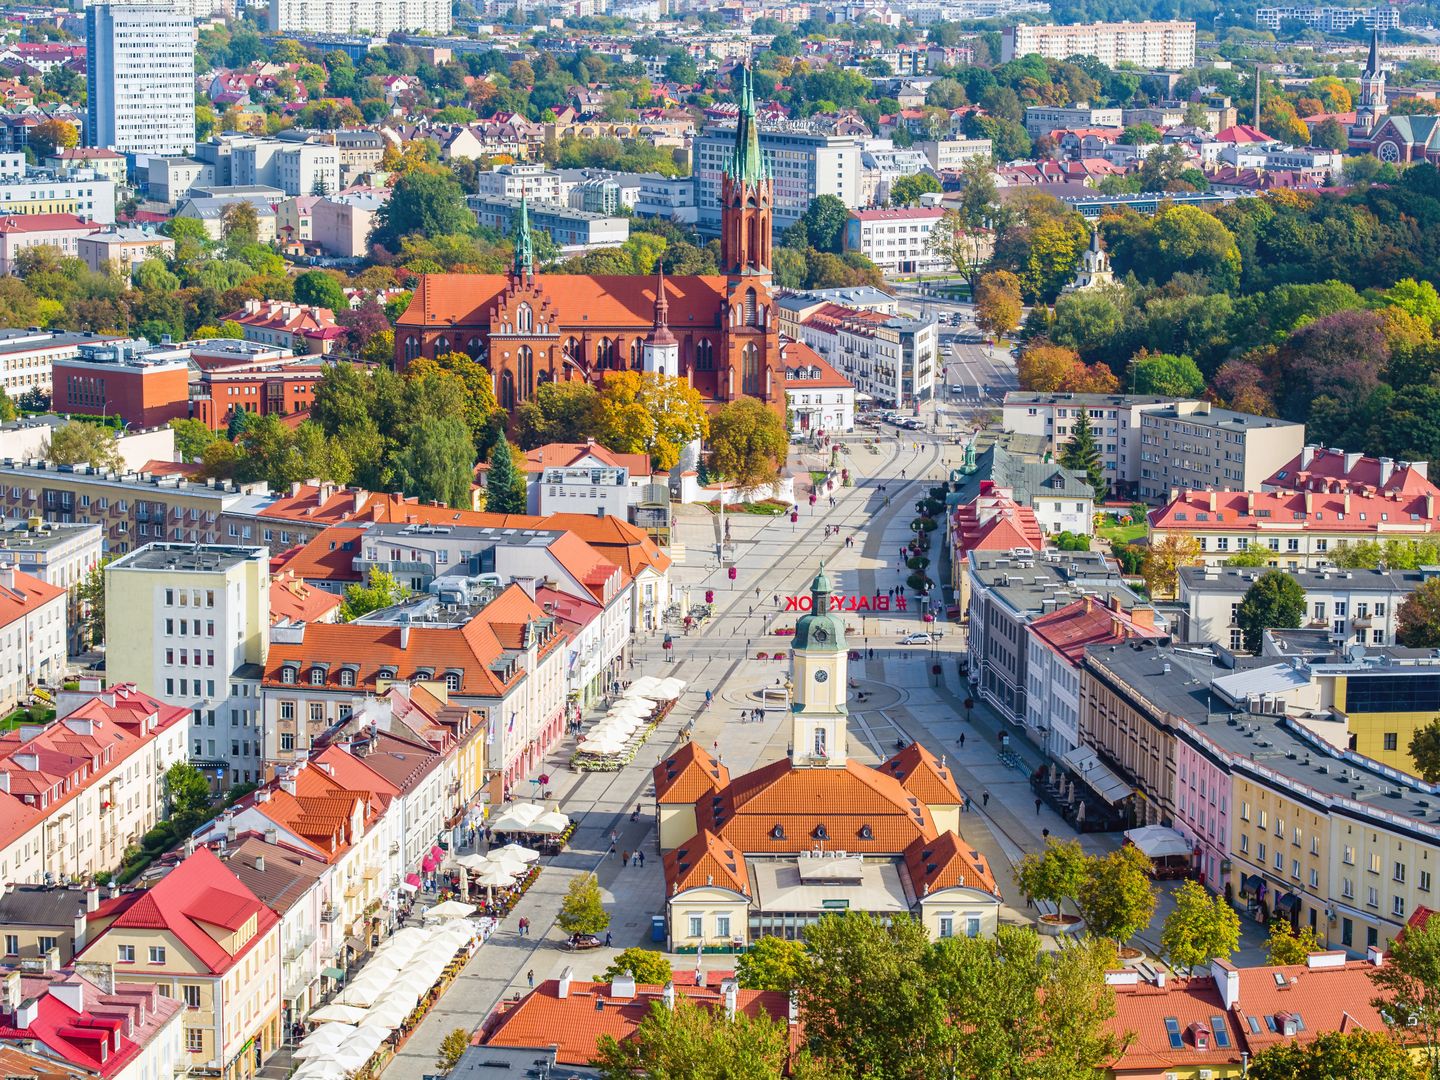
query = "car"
{"x": 916, "y": 639}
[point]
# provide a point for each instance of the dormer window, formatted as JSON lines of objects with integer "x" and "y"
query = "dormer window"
{"x": 347, "y": 676}
{"x": 385, "y": 673}
{"x": 317, "y": 676}
{"x": 452, "y": 680}
{"x": 867, "y": 833}
{"x": 289, "y": 673}
{"x": 821, "y": 833}
{"x": 777, "y": 833}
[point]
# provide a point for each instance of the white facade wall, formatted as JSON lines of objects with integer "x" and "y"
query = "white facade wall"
{"x": 141, "y": 68}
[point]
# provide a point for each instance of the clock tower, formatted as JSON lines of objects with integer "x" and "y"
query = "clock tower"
{"x": 818, "y": 670}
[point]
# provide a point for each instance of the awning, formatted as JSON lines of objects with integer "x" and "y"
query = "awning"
{"x": 429, "y": 863}
{"x": 1288, "y": 902}
{"x": 1090, "y": 769}
{"x": 437, "y": 853}
{"x": 410, "y": 886}
{"x": 1251, "y": 885}
{"x": 1158, "y": 842}
{"x": 412, "y": 879}
{"x": 333, "y": 973}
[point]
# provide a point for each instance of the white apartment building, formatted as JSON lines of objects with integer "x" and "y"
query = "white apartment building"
{"x": 668, "y": 197}
{"x": 140, "y": 63}
{"x": 1329, "y": 19}
{"x": 1355, "y": 606}
{"x": 296, "y": 168}
{"x": 897, "y": 241}
{"x": 947, "y": 154}
{"x": 1186, "y": 444}
{"x": 1169, "y": 46}
{"x": 81, "y": 192}
{"x": 59, "y": 555}
{"x": 892, "y": 358}
{"x": 382, "y": 17}
{"x": 32, "y": 635}
{"x": 27, "y": 357}
{"x": 1043, "y": 119}
{"x": 817, "y": 397}
{"x": 190, "y": 623}
{"x": 804, "y": 163}
{"x": 534, "y": 181}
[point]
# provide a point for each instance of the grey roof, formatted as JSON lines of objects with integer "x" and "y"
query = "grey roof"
{"x": 1109, "y": 401}
{"x": 13, "y": 341}
{"x": 207, "y": 208}
{"x": 278, "y": 875}
{"x": 1054, "y": 575}
{"x": 1225, "y": 419}
{"x": 1237, "y": 579}
{"x": 40, "y": 905}
{"x": 183, "y": 558}
{"x": 499, "y": 1062}
{"x": 1027, "y": 479}
{"x": 19, "y": 537}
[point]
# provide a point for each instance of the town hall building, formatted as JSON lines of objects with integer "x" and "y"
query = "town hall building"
{"x": 718, "y": 332}
{"x": 774, "y": 850}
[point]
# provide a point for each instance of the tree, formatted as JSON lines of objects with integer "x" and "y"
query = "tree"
{"x": 649, "y": 413}
{"x": 50, "y": 136}
{"x": 1003, "y": 1007}
{"x": 824, "y": 223}
{"x": 319, "y": 289}
{"x": 1371, "y": 1055}
{"x": 452, "y": 1049}
{"x": 1200, "y": 928}
{"x": 8, "y": 411}
{"x": 191, "y": 438}
{"x": 240, "y": 224}
{"x": 967, "y": 248}
{"x": 997, "y": 303}
{"x": 1163, "y": 559}
{"x": 748, "y": 443}
{"x": 1165, "y": 374}
{"x": 582, "y": 911}
{"x": 1409, "y": 990}
{"x": 382, "y": 591}
{"x": 431, "y": 204}
{"x": 437, "y": 464}
{"x": 1054, "y": 875}
{"x": 1286, "y": 946}
{"x": 772, "y": 963}
{"x": 187, "y": 788}
{"x": 90, "y": 593}
{"x": 1425, "y": 752}
{"x": 1276, "y": 600}
{"x": 1116, "y": 898}
{"x": 649, "y": 968}
{"x": 1417, "y": 619}
{"x": 1141, "y": 134}
{"x": 1330, "y": 134}
{"x": 557, "y": 412}
{"x": 906, "y": 191}
{"x": 1082, "y": 454}
{"x": 693, "y": 1042}
{"x": 75, "y": 442}
{"x": 505, "y": 485}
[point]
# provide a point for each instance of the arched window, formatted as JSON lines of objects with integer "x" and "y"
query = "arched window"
{"x": 507, "y": 389}
{"x": 571, "y": 350}
{"x": 749, "y": 307}
{"x": 542, "y": 378}
{"x": 821, "y": 750}
{"x": 347, "y": 676}
{"x": 524, "y": 319}
{"x": 636, "y": 352}
{"x": 704, "y": 355}
{"x": 475, "y": 347}
{"x": 442, "y": 345}
{"x": 750, "y": 370}
{"x": 527, "y": 372}
{"x": 452, "y": 680}
{"x": 605, "y": 354}
{"x": 412, "y": 348}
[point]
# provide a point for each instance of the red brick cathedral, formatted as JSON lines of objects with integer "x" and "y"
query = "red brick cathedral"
{"x": 717, "y": 332}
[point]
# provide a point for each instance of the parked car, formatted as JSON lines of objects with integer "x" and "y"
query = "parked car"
{"x": 916, "y": 639}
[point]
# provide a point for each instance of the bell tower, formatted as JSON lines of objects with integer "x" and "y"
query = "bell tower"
{"x": 819, "y": 664}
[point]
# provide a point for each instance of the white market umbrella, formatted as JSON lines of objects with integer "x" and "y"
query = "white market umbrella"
{"x": 353, "y": 1056}
{"x": 552, "y": 823}
{"x": 670, "y": 688}
{"x": 323, "y": 1040}
{"x": 336, "y": 1013}
{"x": 389, "y": 1012}
{"x": 516, "y": 816}
{"x": 602, "y": 747}
{"x": 471, "y": 861}
{"x": 517, "y": 852}
{"x": 629, "y": 707}
{"x": 494, "y": 876}
{"x": 638, "y": 699}
{"x": 644, "y": 685}
{"x": 319, "y": 1069}
{"x": 449, "y": 909}
{"x": 365, "y": 989}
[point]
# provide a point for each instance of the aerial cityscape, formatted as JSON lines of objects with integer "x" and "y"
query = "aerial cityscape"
{"x": 717, "y": 540}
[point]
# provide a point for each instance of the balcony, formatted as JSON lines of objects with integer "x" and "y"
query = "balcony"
{"x": 1363, "y": 622}
{"x": 352, "y": 890}
{"x": 370, "y": 873}
{"x": 329, "y": 913}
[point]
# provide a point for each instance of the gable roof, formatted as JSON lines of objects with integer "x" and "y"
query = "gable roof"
{"x": 25, "y": 596}
{"x": 924, "y": 775}
{"x": 292, "y": 599}
{"x": 278, "y": 875}
{"x": 947, "y": 862}
{"x": 688, "y": 775}
{"x": 330, "y": 556}
{"x": 706, "y": 860}
{"x": 1256, "y": 511}
{"x": 559, "y": 455}
{"x": 1075, "y": 627}
{"x": 1321, "y": 468}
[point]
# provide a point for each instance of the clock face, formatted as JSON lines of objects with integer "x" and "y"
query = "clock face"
{"x": 821, "y": 635}
{"x": 821, "y": 676}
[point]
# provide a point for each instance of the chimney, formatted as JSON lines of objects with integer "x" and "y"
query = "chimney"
{"x": 1212, "y": 501}
{"x": 287, "y": 783}
{"x": 622, "y": 987}
{"x": 562, "y": 988}
{"x": 730, "y": 988}
{"x": 78, "y": 932}
{"x": 260, "y": 863}
{"x": 1387, "y": 470}
{"x": 1375, "y": 956}
{"x": 271, "y": 836}
{"x": 231, "y": 832}
{"x": 1309, "y": 503}
{"x": 1346, "y": 502}
{"x": 1250, "y": 502}
{"x": 13, "y": 993}
{"x": 50, "y": 960}
{"x": 1143, "y": 616}
{"x": 71, "y": 991}
{"x": 92, "y": 898}
{"x": 1307, "y": 455}
{"x": 7, "y": 576}
{"x": 1351, "y": 460}
{"x": 1227, "y": 981}
{"x": 668, "y": 995}
{"x": 26, "y": 1013}
{"x": 1429, "y": 506}
{"x": 792, "y": 1015}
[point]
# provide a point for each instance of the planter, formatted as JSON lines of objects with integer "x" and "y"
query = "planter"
{"x": 1059, "y": 925}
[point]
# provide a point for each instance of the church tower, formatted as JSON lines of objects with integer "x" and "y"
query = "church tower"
{"x": 1371, "y": 107}
{"x": 661, "y": 350}
{"x": 752, "y": 365}
{"x": 524, "y": 242}
{"x": 1094, "y": 269}
{"x": 818, "y": 668}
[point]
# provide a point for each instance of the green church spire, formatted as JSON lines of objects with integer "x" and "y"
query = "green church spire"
{"x": 747, "y": 163}
{"x": 524, "y": 244}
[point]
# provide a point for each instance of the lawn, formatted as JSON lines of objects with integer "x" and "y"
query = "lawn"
{"x": 1119, "y": 535}
{"x": 26, "y": 716}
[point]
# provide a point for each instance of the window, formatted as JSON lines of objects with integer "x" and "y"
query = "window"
{"x": 1424, "y": 883}
{"x": 125, "y": 954}
{"x": 317, "y": 712}
{"x": 195, "y": 1037}
{"x": 1400, "y": 872}
{"x": 1392, "y": 740}
{"x": 287, "y": 741}
{"x": 287, "y": 674}
{"x": 947, "y": 926}
{"x": 722, "y": 926}
{"x": 1314, "y": 879}
{"x": 287, "y": 710}
{"x": 157, "y": 954}
{"x": 317, "y": 676}
{"x": 1244, "y": 844}
{"x": 1261, "y": 853}
{"x": 697, "y": 926}
{"x": 191, "y": 993}
{"x": 1397, "y": 907}
{"x": 12, "y": 945}
{"x": 347, "y": 676}
{"x": 750, "y": 370}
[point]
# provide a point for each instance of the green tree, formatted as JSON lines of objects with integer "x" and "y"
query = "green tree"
{"x": 1141, "y": 134}
{"x": 240, "y": 224}
{"x": 1276, "y": 600}
{"x": 431, "y": 204}
{"x": 187, "y": 789}
{"x": 382, "y": 591}
{"x": 437, "y": 464}
{"x": 558, "y": 412}
{"x": 1163, "y": 559}
{"x": 90, "y": 593}
{"x": 1286, "y": 946}
{"x": 1330, "y": 134}
{"x": 582, "y": 911}
{"x": 76, "y": 442}
{"x": 1082, "y": 454}
{"x": 1371, "y": 1055}
{"x": 1417, "y": 619}
{"x": 772, "y": 963}
{"x": 191, "y": 438}
{"x": 8, "y": 411}
{"x": 1200, "y": 928}
{"x": 906, "y": 191}
{"x": 1053, "y": 875}
{"x": 1116, "y": 898}
{"x": 748, "y": 443}
{"x": 964, "y": 246}
{"x": 1165, "y": 374}
{"x": 1408, "y": 986}
{"x": 1250, "y": 555}
{"x": 1424, "y": 751}
{"x": 505, "y": 485}
{"x": 452, "y": 1049}
{"x": 319, "y": 289}
{"x": 648, "y": 967}
{"x": 649, "y": 413}
{"x": 693, "y": 1042}
{"x": 823, "y": 223}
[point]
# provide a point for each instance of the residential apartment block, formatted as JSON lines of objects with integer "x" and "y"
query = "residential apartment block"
{"x": 576, "y": 231}
{"x": 1169, "y": 46}
{"x": 897, "y": 241}
{"x": 33, "y": 637}
{"x": 804, "y": 163}
{"x": 1320, "y": 468}
{"x": 893, "y": 358}
{"x": 140, "y": 68}
{"x": 1149, "y": 445}
{"x": 1327, "y": 18}
{"x": 383, "y": 18}
{"x": 128, "y": 379}
{"x": 1043, "y": 119}
{"x": 58, "y": 555}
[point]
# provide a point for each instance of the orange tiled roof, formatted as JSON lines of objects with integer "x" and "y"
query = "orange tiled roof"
{"x": 329, "y": 557}
{"x": 1073, "y": 628}
{"x": 1195, "y": 1005}
{"x": 947, "y": 862}
{"x": 688, "y": 775}
{"x": 291, "y": 598}
{"x": 924, "y": 775}
{"x": 706, "y": 860}
{"x": 559, "y": 455}
{"x": 1288, "y": 511}
{"x": 1334, "y": 470}
{"x": 796, "y": 354}
{"x": 27, "y": 595}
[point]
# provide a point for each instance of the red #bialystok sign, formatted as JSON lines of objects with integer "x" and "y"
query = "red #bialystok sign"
{"x": 878, "y": 602}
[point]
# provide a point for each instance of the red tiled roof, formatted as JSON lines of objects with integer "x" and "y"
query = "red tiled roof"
{"x": 559, "y": 455}
{"x": 573, "y": 1024}
{"x": 689, "y": 775}
{"x": 329, "y": 557}
{"x": 924, "y": 775}
{"x": 291, "y": 598}
{"x": 1334, "y": 470}
{"x": 179, "y": 902}
{"x": 795, "y": 355}
{"x": 706, "y": 860}
{"x": 947, "y": 862}
{"x": 26, "y": 596}
{"x": 994, "y": 521}
{"x": 608, "y": 300}
{"x": 324, "y": 504}
{"x": 1287, "y": 511}
{"x": 1242, "y": 133}
{"x": 1074, "y": 627}
{"x": 283, "y": 315}
{"x": 1141, "y": 1012}
{"x": 26, "y": 223}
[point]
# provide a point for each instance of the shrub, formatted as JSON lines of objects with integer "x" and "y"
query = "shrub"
{"x": 919, "y": 562}
{"x": 918, "y": 582}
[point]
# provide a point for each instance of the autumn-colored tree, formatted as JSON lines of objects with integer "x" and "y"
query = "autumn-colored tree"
{"x": 48, "y": 136}
{"x": 649, "y": 413}
{"x": 997, "y": 303}
{"x": 1161, "y": 569}
{"x": 1045, "y": 368}
{"x": 748, "y": 443}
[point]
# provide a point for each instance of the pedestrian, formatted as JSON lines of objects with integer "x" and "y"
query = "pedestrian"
{"x": 984, "y": 798}
{"x": 1045, "y": 834}
{"x": 641, "y": 856}
{"x": 757, "y": 591}
{"x": 1037, "y": 807}
{"x": 530, "y": 977}
{"x": 625, "y": 858}
{"x": 607, "y": 939}
{"x": 962, "y": 740}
